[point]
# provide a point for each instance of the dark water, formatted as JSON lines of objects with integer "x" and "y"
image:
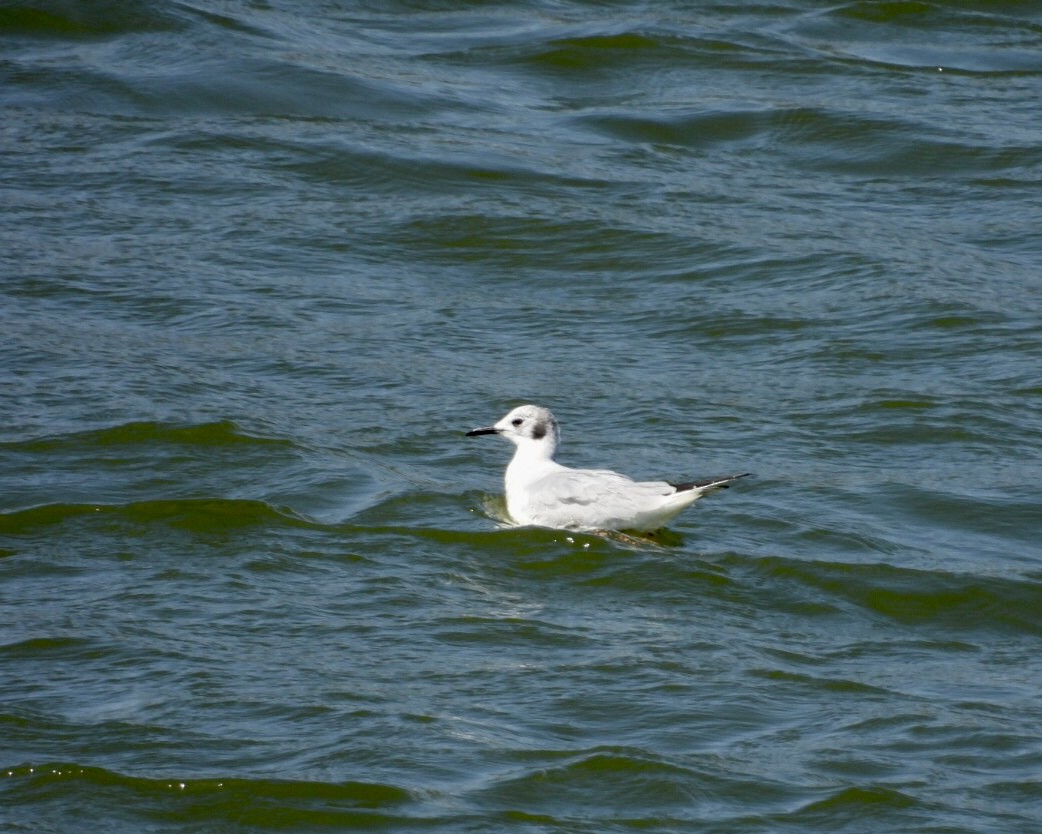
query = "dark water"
{"x": 263, "y": 263}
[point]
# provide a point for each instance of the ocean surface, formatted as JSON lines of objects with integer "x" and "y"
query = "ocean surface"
{"x": 262, "y": 265}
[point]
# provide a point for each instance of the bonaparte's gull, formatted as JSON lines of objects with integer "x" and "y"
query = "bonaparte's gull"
{"x": 544, "y": 493}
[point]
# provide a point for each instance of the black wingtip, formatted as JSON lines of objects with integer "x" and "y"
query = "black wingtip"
{"x": 720, "y": 483}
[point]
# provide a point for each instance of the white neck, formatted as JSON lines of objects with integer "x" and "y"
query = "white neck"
{"x": 532, "y": 460}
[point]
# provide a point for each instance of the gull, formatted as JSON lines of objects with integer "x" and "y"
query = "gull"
{"x": 542, "y": 492}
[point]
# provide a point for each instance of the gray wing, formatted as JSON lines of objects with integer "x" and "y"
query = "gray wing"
{"x": 601, "y": 499}
{"x": 607, "y": 491}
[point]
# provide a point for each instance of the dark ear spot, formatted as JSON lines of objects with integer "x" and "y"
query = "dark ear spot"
{"x": 539, "y": 431}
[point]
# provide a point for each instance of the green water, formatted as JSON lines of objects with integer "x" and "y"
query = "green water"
{"x": 263, "y": 264}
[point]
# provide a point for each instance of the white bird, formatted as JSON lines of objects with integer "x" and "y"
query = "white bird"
{"x": 544, "y": 493}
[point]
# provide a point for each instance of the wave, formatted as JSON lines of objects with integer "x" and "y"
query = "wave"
{"x": 209, "y": 801}
{"x": 54, "y": 18}
{"x": 124, "y": 471}
{"x": 952, "y": 603}
{"x": 847, "y": 803}
{"x": 917, "y": 35}
{"x": 194, "y": 514}
{"x": 217, "y": 433}
{"x": 607, "y": 780}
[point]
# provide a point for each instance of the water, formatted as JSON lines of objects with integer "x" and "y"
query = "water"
{"x": 263, "y": 264}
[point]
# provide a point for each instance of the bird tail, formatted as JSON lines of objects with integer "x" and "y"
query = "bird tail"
{"x": 709, "y": 484}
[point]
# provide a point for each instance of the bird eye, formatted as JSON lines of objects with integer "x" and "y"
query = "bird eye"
{"x": 517, "y": 421}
